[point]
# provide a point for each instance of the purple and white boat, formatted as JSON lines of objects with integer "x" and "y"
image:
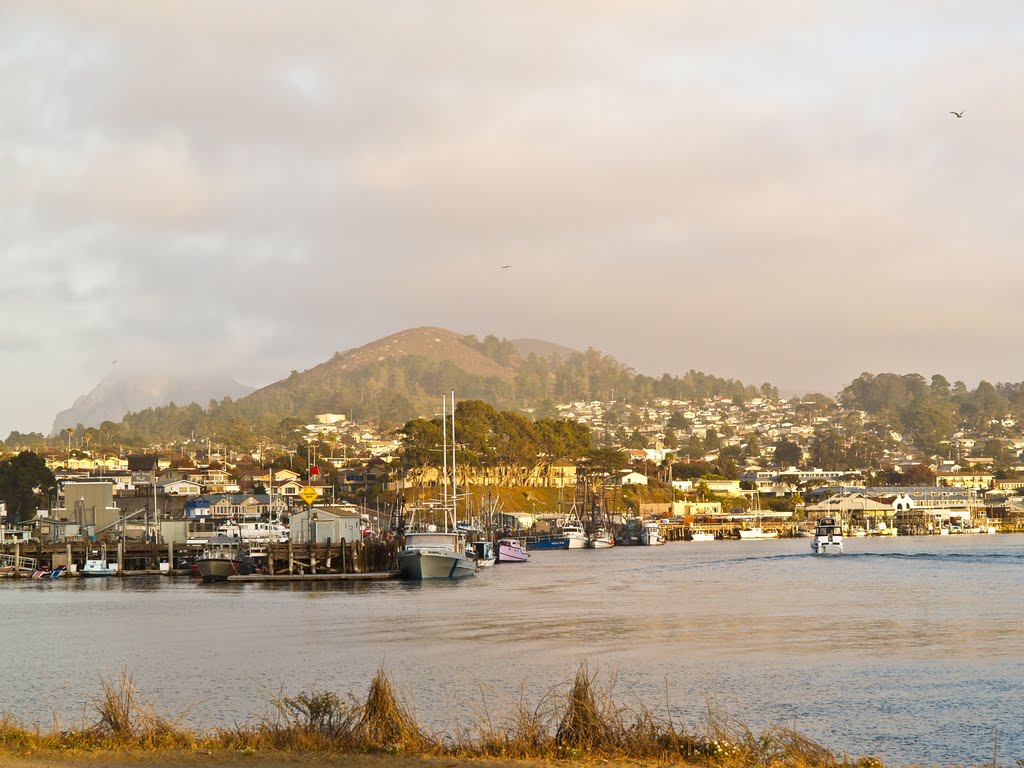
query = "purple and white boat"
{"x": 512, "y": 551}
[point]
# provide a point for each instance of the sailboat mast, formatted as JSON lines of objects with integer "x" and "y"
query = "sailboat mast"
{"x": 444, "y": 455}
{"x": 455, "y": 497}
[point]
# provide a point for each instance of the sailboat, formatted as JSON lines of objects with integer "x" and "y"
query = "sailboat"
{"x": 434, "y": 554}
{"x": 749, "y": 532}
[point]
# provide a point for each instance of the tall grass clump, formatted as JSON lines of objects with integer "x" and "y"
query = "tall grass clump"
{"x": 125, "y": 721}
{"x": 386, "y": 723}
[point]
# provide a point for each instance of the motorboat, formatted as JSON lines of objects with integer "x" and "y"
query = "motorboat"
{"x": 512, "y": 551}
{"x": 828, "y": 537}
{"x": 223, "y": 556}
{"x": 435, "y": 555}
{"x": 650, "y": 534}
{"x": 483, "y": 552}
{"x": 98, "y": 567}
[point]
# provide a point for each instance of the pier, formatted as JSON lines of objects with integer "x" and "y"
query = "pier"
{"x": 325, "y": 560}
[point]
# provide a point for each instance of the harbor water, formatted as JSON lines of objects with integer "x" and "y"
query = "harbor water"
{"x": 909, "y": 648}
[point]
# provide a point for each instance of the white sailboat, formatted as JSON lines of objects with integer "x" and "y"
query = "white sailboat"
{"x": 752, "y": 532}
{"x": 434, "y": 554}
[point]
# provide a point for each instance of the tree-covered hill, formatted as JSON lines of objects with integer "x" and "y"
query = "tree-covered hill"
{"x": 404, "y": 375}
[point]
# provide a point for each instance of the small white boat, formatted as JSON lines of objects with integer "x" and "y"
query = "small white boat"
{"x": 482, "y": 552}
{"x": 650, "y": 534}
{"x": 98, "y": 568}
{"x": 757, "y": 532}
{"x": 512, "y": 551}
{"x": 600, "y": 539}
{"x": 702, "y": 536}
{"x": 828, "y": 537}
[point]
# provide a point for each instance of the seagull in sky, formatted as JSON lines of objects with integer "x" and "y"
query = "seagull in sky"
{"x": 506, "y": 266}
{"x": 114, "y": 362}
{"x": 958, "y": 114}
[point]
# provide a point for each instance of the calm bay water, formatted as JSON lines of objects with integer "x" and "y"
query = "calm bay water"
{"x": 909, "y": 648}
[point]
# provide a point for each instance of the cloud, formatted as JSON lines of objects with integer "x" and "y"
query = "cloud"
{"x": 683, "y": 185}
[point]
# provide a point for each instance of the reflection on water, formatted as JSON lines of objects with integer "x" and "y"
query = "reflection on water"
{"x": 908, "y": 648}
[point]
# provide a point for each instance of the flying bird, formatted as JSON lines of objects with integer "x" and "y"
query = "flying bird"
{"x": 114, "y": 362}
{"x": 958, "y": 114}
{"x": 506, "y": 266}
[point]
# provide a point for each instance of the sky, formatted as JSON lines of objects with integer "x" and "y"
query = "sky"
{"x": 764, "y": 191}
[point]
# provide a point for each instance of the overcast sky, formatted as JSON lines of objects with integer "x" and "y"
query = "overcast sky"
{"x": 766, "y": 191}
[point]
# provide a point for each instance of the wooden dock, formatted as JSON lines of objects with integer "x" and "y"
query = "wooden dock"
{"x": 266, "y": 578}
{"x": 375, "y": 559}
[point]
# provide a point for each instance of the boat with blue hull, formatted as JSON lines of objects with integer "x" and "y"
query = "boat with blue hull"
{"x": 546, "y": 542}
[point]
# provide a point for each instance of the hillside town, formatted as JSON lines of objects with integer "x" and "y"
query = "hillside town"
{"x": 717, "y": 462}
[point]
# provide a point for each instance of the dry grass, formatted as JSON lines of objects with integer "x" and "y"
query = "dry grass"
{"x": 586, "y": 722}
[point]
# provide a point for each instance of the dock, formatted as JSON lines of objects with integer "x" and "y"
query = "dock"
{"x": 289, "y": 577}
{"x": 279, "y": 561}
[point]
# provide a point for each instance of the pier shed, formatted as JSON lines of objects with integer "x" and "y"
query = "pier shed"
{"x": 320, "y": 525}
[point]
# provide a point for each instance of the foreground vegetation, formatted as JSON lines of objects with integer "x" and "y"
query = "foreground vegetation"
{"x": 584, "y": 723}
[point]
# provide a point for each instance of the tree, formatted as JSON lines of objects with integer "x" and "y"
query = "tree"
{"x": 25, "y": 484}
{"x": 787, "y": 453}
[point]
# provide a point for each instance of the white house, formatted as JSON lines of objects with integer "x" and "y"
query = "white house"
{"x": 179, "y": 488}
{"x": 627, "y": 478}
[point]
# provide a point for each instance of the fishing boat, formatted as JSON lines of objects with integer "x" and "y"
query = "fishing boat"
{"x": 572, "y": 529}
{"x": 650, "y": 534}
{"x": 828, "y": 537}
{"x": 482, "y": 552}
{"x": 223, "y": 556}
{"x": 701, "y": 536}
{"x": 434, "y": 554}
{"x": 599, "y": 538}
{"x": 546, "y": 541}
{"x": 512, "y": 551}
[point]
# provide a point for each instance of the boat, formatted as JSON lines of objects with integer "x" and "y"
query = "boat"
{"x": 828, "y": 537}
{"x": 572, "y": 529}
{"x": 753, "y": 532}
{"x": 512, "y": 551}
{"x": 256, "y": 532}
{"x": 546, "y": 541}
{"x": 482, "y": 552}
{"x": 650, "y": 534}
{"x": 702, "y": 536}
{"x": 749, "y": 533}
{"x": 223, "y": 556}
{"x": 600, "y": 539}
{"x": 98, "y": 567}
{"x": 435, "y": 555}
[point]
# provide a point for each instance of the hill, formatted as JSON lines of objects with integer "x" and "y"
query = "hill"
{"x": 126, "y": 390}
{"x": 404, "y": 376}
